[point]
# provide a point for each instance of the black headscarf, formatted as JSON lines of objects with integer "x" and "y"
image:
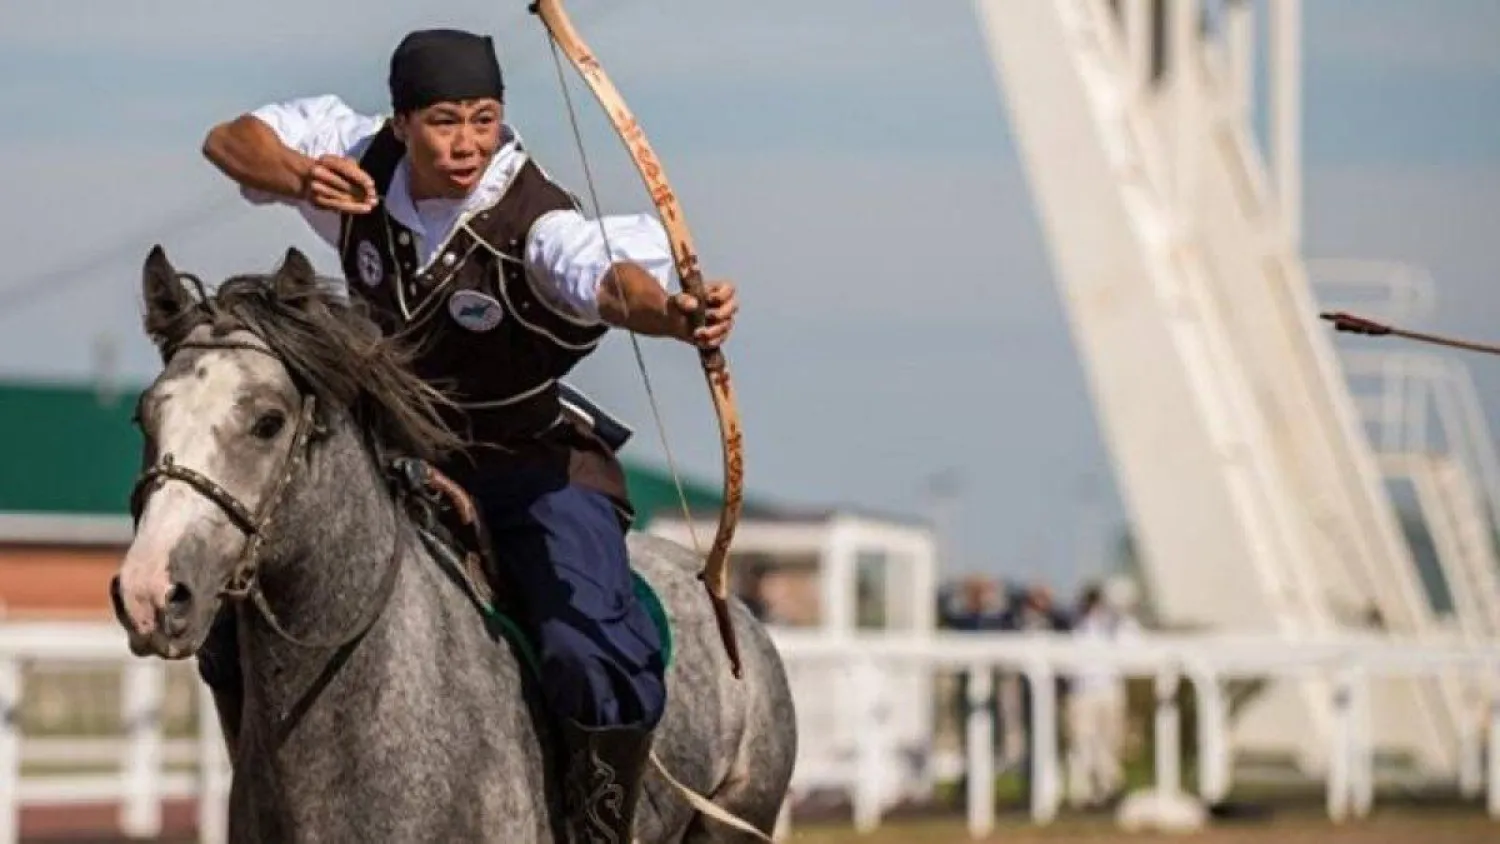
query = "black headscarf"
{"x": 443, "y": 65}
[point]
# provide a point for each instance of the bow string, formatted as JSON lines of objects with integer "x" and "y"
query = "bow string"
{"x": 715, "y": 574}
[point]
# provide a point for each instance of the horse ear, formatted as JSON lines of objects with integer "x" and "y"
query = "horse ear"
{"x": 296, "y": 276}
{"x": 162, "y": 291}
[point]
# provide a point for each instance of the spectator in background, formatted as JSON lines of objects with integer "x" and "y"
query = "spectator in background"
{"x": 1096, "y": 704}
{"x": 1034, "y": 613}
{"x": 1039, "y": 612}
{"x": 973, "y": 604}
{"x": 754, "y": 594}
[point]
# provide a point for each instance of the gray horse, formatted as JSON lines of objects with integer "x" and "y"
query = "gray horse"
{"x": 382, "y": 704}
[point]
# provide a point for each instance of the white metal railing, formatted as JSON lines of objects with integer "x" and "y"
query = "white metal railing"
{"x": 1350, "y": 665}
{"x": 135, "y": 765}
{"x": 1393, "y": 291}
{"x": 1461, "y": 535}
{"x": 1403, "y": 384}
{"x": 854, "y": 667}
{"x": 1409, "y": 390}
{"x": 1422, "y": 412}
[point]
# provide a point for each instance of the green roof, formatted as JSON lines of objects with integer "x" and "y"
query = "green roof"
{"x": 71, "y": 450}
{"x": 66, "y": 450}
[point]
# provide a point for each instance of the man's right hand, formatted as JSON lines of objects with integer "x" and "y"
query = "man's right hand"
{"x": 336, "y": 183}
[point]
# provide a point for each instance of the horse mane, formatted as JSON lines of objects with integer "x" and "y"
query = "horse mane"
{"x": 333, "y": 349}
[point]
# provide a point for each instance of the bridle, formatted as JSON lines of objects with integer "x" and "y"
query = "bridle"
{"x": 244, "y": 580}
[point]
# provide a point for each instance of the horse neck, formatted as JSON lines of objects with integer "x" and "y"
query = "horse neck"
{"x": 334, "y": 545}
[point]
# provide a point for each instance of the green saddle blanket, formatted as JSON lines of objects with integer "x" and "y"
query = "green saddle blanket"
{"x": 505, "y": 625}
{"x": 643, "y": 593}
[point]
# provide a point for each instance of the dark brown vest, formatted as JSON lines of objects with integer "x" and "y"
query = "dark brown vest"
{"x": 484, "y": 333}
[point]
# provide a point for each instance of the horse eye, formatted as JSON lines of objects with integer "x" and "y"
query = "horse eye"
{"x": 268, "y": 424}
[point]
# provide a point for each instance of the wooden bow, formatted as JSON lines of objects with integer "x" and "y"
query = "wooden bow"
{"x": 715, "y": 574}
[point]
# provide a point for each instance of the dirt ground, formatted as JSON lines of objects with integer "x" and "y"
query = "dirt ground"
{"x": 1381, "y": 827}
{"x": 1465, "y": 824}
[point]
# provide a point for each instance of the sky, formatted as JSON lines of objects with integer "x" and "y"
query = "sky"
{"x": 848, "y": 164}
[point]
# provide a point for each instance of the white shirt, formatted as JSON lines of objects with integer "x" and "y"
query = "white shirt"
{"x": 565, "y": 252}
{"x": 1102, "y": 625}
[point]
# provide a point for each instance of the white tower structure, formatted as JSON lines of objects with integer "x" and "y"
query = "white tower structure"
{"x": 1423, "y": 415}
{"x": 1256, "y": 498}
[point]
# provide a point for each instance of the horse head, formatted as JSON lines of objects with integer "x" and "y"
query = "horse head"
{"x": 275, "y": 392}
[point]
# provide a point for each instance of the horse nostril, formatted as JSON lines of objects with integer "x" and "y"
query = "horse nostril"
{"x": 174, "y": 615}
{"x": 179, "y": 597}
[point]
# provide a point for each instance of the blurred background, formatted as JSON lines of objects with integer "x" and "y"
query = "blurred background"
{"x": 1029, "y": 360}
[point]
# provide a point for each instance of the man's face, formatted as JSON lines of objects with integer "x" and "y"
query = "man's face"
{"x": 450, "y": 144}
{"x": 1040, "y": 598}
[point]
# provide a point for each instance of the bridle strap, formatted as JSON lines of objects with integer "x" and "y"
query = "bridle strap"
{"x": 227, "y": 344}
{"x": 246, "y": 569}
{"x": 169, "y": 469}
{"x": 367, "y": 616}
{"x": 244, "y": 582}
{"x": 242, "y": 577}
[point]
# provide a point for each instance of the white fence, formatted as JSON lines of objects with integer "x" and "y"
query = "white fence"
{"x": 1347, "y": 668}
{"x": 134, "y": 764}
{"x": 141, "y": 766}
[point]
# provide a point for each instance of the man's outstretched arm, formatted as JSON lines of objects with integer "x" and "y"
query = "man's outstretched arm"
{"x": 298, "y": 151}
{"x": 616, "y": 271}
{"x": 248, "y": 151}
{"x": 632, "y": 298}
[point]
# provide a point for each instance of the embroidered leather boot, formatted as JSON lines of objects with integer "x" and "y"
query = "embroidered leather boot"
{"x": 604, "y": 771}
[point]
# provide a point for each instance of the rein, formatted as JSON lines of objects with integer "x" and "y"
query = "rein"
{"x": 244, "y": 581}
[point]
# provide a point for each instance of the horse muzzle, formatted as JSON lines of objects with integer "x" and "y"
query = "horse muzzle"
{"x": 140, "y": 644}
{"x": 168, "y": 625}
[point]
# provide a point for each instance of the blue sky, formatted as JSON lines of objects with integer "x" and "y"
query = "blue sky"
{"x": 847, "y": 162}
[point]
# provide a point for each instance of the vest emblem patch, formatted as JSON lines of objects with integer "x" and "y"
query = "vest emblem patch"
{"x": 474, "y": 310}
{"x": 371, "y": 267}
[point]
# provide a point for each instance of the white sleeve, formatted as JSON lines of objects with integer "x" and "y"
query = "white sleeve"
{"x": 566, "y": 256}
{"x": 314, "y": 126}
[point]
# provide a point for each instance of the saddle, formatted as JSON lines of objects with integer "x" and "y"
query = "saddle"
{"x": 453, "y": 527}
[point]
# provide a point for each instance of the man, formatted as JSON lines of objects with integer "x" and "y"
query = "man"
{"x": 975, "y": 604}
{"x": 1097, "y": 704}
{"x": 458, "y": 240}
{"x": 1031, "y": 609}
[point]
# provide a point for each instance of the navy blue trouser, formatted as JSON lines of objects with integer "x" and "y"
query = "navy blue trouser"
{"x": 563, "y": 547}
